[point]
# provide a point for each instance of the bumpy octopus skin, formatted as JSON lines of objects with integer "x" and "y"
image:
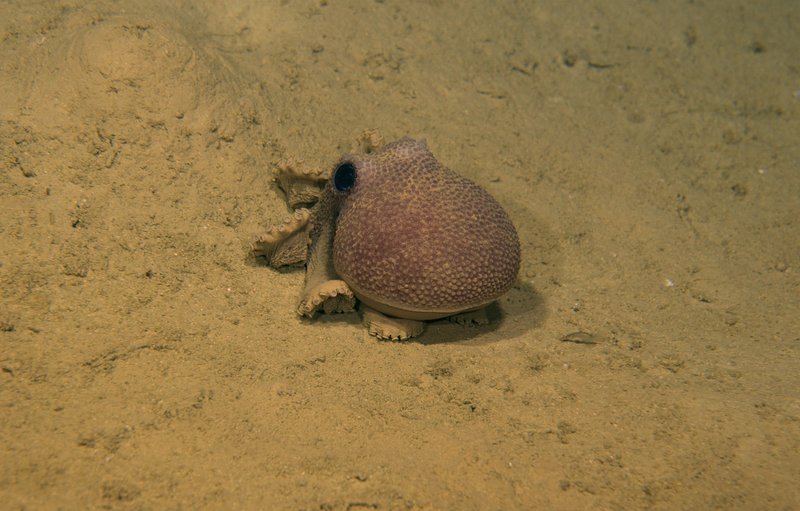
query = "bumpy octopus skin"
{"x": 408, "y": 237}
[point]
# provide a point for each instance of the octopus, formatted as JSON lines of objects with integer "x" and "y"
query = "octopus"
{"x": 396, "y": 234}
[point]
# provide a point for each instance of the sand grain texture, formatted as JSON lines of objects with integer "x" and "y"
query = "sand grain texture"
{"x": 646, "y": 152}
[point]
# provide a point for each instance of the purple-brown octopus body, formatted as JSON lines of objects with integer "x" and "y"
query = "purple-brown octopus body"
{"x": 409, "y": 238}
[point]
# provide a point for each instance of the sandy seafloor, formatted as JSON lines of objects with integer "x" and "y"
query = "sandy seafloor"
{"x": 646, "y": 151}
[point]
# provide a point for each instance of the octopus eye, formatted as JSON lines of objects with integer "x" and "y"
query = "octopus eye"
{"x": 344, "y": 177}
